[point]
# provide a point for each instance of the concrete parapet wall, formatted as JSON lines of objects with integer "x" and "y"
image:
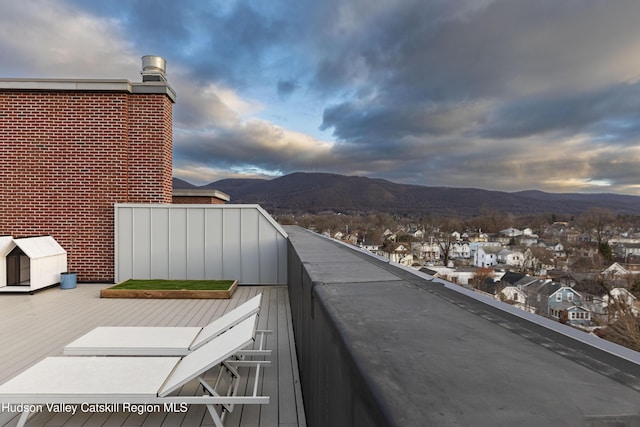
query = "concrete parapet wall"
{"x": 336, "y": 393}
{"x": 379, "y": 345}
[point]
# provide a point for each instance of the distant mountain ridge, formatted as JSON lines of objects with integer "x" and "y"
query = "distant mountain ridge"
{"x": 317, "y": 192}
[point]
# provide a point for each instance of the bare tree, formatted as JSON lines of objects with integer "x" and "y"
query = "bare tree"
{"x": 444, "y": 236}
{"x": 491, "y": 220}
{"x": 480, "y": 277}
{"x": 598, "y": 222}
{"x": 535, "y": 258}
{"x": 622, "y": 322}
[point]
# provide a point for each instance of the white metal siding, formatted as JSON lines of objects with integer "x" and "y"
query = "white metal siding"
{"x": 199, "y": 242}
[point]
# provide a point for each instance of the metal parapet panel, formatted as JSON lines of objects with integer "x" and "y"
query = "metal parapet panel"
{"x": 197, "y": 242}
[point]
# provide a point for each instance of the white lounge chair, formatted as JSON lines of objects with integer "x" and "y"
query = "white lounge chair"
{"x": 138, "y": 380}
{"x": 164, "y": 340}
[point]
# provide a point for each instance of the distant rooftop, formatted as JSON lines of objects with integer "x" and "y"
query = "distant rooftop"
{"x": 200, "y": 192}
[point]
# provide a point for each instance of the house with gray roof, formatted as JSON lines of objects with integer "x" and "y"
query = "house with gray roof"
{"x": 566, "y": 305}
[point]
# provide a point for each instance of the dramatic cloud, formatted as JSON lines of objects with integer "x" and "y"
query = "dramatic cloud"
{"x": 253, "y": 144}
{"x": 498, "y": 94}
{"x": 51, "y": 39}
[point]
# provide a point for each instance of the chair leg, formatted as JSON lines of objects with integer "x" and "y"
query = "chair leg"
{"x": 23, "y": 419}
{"x": 214, "y": 415}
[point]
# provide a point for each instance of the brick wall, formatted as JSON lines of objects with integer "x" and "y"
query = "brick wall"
{"x": 197, "y": 200}
{"x": 67, "y": 157}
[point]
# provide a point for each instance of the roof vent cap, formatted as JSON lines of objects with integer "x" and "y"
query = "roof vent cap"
{"x": 153, "y": 69}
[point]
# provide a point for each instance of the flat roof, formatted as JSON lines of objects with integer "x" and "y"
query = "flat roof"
{"x": 89, "y": 85}
{"x": 200, "y": 192}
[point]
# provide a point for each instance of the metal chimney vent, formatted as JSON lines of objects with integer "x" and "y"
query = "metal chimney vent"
{"x": 153, "y": 69}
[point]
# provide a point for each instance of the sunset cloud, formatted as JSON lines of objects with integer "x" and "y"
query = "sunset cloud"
{"x": 505, "y": 95}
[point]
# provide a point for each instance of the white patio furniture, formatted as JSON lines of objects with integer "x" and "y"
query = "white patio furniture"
{"x": 140, "y": 380}
{"x": 164, "y": 340}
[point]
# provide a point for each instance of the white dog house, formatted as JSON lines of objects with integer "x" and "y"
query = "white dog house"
{"x": 31, "y": 263}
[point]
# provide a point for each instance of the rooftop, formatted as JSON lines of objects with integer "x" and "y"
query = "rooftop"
{"x": 377, "y": 345}
{"x": 40, "y": 325}
{"x": 200, "y": 192}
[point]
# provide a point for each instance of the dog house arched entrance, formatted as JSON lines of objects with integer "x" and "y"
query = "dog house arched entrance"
{"x": 18, "y": 268}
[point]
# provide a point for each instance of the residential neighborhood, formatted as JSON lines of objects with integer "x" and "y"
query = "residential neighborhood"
{"x": 574, "y": 272}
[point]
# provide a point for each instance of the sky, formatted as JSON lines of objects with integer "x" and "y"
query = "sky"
{"x": 504, "y": 95}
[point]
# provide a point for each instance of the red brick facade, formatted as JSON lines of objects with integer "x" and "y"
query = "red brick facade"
{"x": 199, "y": 196}
{"x": 179, "y": 200}
{"x": 67, "y": 156}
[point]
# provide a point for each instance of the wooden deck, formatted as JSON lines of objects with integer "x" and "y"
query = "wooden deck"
{"x": 36, "y": 326}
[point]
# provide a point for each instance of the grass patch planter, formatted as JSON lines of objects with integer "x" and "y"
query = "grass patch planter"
{"x": 171, "y": 289}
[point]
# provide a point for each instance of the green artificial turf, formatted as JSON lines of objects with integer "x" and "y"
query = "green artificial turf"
{"x": 168, "y": 285}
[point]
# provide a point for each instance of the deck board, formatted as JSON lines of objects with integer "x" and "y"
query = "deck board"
{"x": 40, "y": 325}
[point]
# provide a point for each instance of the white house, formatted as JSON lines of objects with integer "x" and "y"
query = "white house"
{"x": 430, "y": 252}
{"x": 616, "y": 270}
{"x": 486, "y": 256}
{"x": 511, "y": 232}
{"x": 476, "y": 237}
{"x": 451, "y": 274}
{"x": 460, "y": 250}
{"x": 398, "y": 253}
{"x": 556, "y": 247}
{"x": 528, "y": 240}
{"x": 406, "y": 260}
{"x": 509, "y": 257}
{"x": 515, "y": 297}
{"x": 418, "y": 234}
{"x": 369, "y": 246}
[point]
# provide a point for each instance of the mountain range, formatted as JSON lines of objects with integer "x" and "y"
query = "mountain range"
{"x": 319, "y": 192}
